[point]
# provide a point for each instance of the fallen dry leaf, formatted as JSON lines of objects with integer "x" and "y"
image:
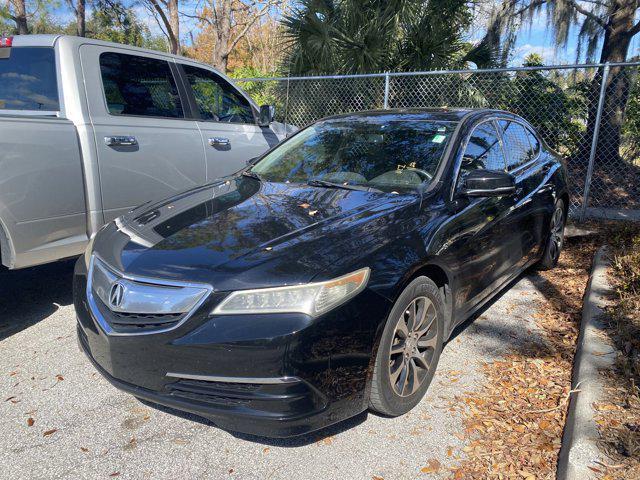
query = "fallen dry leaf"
{"x": 433, "y": 466}
{"x": 49, "y": 432}
{"x": 514, "y": 421}
{"x": 30, "y": 421}
{"x": 84, "y": 449}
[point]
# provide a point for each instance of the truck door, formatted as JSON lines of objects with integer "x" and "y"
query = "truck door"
{"x": 147, "y": 146}
{"x": 227, "y": 121}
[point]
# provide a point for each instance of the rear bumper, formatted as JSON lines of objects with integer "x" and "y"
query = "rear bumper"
{"x": 274, "y": 376}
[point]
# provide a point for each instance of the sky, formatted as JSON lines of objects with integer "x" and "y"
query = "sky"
{"x": 534, "y": 38}
{"x": 538, "y": 38}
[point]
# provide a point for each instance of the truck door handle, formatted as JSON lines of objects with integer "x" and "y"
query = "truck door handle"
{"x": 219, "y": 142}
{"x": 120, "y": 141}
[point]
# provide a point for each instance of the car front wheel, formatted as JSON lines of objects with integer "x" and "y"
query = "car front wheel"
{"x": 409, "y": 349}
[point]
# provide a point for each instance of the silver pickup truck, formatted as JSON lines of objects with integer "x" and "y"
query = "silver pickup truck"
{"x": 90, "y": 129}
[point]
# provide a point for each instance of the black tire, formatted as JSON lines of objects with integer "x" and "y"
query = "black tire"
{"x": 394, "y": 398}
{"x": 555, "y": 238}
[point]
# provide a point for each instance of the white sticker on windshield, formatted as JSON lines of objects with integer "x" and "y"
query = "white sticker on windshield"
{"x": 438, "y": 138}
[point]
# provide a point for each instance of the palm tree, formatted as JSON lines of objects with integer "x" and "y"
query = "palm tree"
{"x": 351, "y": 36}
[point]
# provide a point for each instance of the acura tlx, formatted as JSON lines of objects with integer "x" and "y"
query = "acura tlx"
{"x": 322, "y": 279}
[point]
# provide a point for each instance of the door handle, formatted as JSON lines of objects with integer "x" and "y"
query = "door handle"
{"x": 120, "y": 141}
{"x": 219, "y": 142}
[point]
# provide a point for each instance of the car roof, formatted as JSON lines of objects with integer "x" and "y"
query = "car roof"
{"x": 439, "y": 114}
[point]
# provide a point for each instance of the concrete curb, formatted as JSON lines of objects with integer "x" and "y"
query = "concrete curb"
{"x": 579, "y": 441}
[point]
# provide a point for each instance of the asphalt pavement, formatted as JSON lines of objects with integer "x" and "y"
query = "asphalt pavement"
{"x": 60, "y": 419}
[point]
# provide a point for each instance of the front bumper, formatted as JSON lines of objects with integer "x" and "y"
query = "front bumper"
{"x": 270, "y": 375}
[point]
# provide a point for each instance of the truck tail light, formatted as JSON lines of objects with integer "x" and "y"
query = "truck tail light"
{"x": 6, "y": 42}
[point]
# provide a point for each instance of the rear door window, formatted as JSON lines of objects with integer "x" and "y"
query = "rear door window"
{"x": 534, "y": 142}
{"x": 483, "y": 150}
{"x": 28, "y": 80}
{"x": 516, "y": 142}
{"x": 139, "y": 86}
{"x": 217, "y": 100}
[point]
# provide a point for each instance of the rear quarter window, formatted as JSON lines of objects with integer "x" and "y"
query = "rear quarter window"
{"x": 28, "y": 80}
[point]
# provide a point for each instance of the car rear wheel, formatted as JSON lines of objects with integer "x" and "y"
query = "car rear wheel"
{"x": 555, "y": 241}
{"x": 409, "y": 349}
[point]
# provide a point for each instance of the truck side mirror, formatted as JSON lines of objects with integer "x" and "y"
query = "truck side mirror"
{"x": 267, "y": 114}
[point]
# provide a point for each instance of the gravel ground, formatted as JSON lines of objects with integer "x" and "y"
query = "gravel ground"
{"x": 84, "y": 428}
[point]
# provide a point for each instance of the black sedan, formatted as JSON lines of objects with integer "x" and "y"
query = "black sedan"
{"x": 323, "y": 279}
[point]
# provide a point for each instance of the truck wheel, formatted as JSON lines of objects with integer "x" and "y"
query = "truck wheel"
{"x": 409, "y": 349}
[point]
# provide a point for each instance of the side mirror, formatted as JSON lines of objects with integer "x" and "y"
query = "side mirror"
{"x": 253, "y": 160}
{"x": 488, "y": 183}
{"x": 267, "y": 114}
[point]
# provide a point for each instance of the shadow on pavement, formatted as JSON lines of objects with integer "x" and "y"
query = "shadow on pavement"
{"x": 293, "y": 442}
{"x": 30, "y": 295}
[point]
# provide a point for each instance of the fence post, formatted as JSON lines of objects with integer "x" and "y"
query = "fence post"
{"x": 386, "y": 91}
{"x": 594, "y": 142}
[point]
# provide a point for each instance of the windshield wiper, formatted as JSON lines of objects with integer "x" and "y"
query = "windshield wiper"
{"x": 250, "y": 174}
{"x": 323, "y": 183}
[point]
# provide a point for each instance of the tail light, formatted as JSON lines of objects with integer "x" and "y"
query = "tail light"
{"x": 6, "y": 42}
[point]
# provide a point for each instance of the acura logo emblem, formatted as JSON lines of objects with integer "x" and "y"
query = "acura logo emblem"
{"x": 116, "y": 295}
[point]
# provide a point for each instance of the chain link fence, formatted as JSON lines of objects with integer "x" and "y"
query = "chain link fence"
{"x": 590, "y": 114}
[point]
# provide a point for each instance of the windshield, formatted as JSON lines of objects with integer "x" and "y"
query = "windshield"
{"x": 368, "y": 152}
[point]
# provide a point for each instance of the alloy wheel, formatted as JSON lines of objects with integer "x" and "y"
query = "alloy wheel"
{"x": 413, "y": 346}
{"x": 557, "y": 233}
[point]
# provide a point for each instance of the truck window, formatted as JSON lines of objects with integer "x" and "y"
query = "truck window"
{"x": 139, "y": 86}
{"x": 217, "y": 100}
{"x": 28, "y": 80}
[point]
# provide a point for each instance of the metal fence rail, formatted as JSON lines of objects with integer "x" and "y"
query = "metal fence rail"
{"x": 588, "y": 113}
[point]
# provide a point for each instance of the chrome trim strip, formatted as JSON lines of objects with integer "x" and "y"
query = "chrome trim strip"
{"x": 104, "y": 325}
{"x": 31, "y": 113}
{"x": 146, "y": 298}
{"x": 214, "y": 378}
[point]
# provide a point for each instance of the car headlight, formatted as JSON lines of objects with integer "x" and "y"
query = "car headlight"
{"x": 311, "y": 298}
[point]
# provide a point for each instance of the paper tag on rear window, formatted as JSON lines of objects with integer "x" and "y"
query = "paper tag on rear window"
{"x": 438, "y": 138}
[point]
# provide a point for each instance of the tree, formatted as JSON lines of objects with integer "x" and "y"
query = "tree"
{"x": 258, "y": 53}
{"x": 16, "y": 11}
{"x": 79, "y": 10}
{"x": 117, "y": 23}
{"x": 167, "y": 15}
{"x": 364, "y": 36}
{"x": 611, "y": 22}
{"x": 230, "y": 21}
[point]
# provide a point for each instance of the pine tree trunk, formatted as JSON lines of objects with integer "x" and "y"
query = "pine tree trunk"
{"x": 220, "y": 56}
{"x": 20, "y": 17}
{"x": 81, "y": 19}
{"x": 174, "y": 27}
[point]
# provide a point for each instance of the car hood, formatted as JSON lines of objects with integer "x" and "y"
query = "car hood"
{"x": 243, "y": 233}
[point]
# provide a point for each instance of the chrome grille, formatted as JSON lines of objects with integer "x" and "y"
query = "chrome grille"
{"x": 126, "y": 305}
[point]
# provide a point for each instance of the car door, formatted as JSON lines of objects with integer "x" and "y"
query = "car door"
{"x": 530, "y": 210}
{"x": 147, "y": 147}
{"x": 227, "y": 122}
{"x": 481, "y": 229}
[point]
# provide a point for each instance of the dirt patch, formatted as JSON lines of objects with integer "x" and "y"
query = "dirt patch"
{"x": 514, "y": 423}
